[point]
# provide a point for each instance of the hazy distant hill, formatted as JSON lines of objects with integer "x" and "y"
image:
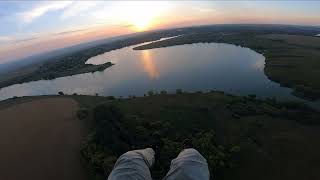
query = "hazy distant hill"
{"x": 42, "y": 57}
{"x": 265, "y": 28}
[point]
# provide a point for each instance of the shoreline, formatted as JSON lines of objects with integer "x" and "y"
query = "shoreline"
{"x": 248, "y": 41}
{"x": 283, "y": 54}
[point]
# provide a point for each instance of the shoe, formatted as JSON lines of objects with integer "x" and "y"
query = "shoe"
{"x": 156, "y": 143}
{"x": 187, "y": 143}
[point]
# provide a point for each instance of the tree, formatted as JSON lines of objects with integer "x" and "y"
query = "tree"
{"x": 163, "y": 92}
{"x": 179, "y": 91}
{"x": 150, "y": 93}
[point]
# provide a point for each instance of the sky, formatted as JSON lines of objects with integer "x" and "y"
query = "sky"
{"x": 32, "y": 27}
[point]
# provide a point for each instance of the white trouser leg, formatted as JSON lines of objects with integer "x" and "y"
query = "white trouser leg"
{"x": 189, "y": 165}
{"x": 133, "y": 165}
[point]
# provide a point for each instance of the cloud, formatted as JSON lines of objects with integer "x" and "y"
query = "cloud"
{"x": 2, "y": 15}
{"x": 127, "y": 25}
{"x": 78, "y": 7}
{"x": 5, "y": 39}
{"x": 70, "y": 32}
{"x": 42, "y": 9}
{"x": 14, "y": 40}
{"x": 206, "y": 10}
{"x": 25, "y": 39}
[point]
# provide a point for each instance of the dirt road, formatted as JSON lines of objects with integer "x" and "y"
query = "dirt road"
{"x": 40, "y": 140}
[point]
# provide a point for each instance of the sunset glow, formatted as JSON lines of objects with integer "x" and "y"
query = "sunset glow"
{"x": 141, "y": 23}
{"x": 28, "y": 28}
{"x": 140, "y": 16}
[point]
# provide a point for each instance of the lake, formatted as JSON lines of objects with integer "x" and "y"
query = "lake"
{"x": 193, "y": 67}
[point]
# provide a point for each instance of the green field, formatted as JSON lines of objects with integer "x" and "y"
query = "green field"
{"x": 241, "y": 137}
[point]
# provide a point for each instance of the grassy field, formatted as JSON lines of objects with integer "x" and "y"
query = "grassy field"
{"x": 296, "y": 65}
{"x": 40, "y": 139}
{"x": 241, "y": 137}
{"x": 291, "y": 60}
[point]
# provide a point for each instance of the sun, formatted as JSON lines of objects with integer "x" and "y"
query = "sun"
{"x": 142, "y": 15}
{"x": 141, "y": 22}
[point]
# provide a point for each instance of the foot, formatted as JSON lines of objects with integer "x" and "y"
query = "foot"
{"x": 187, "y": 143}
{"x": 156, "y": 143}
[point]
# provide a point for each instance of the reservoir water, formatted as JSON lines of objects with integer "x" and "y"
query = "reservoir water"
{"x": 194, "y": 67}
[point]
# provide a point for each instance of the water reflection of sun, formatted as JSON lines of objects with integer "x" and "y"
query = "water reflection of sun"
{"x": 149, "y": 65}
{"x": 259, "y": 65}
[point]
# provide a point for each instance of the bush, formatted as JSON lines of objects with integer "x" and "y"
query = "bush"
{"x": 111, "y": 98}
{"x": 272, "y": 101}
{"x": 163, "y": 92}
{"x": 132, "y": 96}
{"x": 219, "y": 157}
{"x": 99, "y": 160}
{"x": 50, "y": 76}
{"x": 179, "y": 91}
{"x": 252, "y": 96}
{"x": 293, "y": 105}
{"x": 110, "y": 139}
{"x": 60, "y": 93}
{"x": 109, "y": 133}
{"x": 150, "y": 93}
{"x": 83, "y": 113}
